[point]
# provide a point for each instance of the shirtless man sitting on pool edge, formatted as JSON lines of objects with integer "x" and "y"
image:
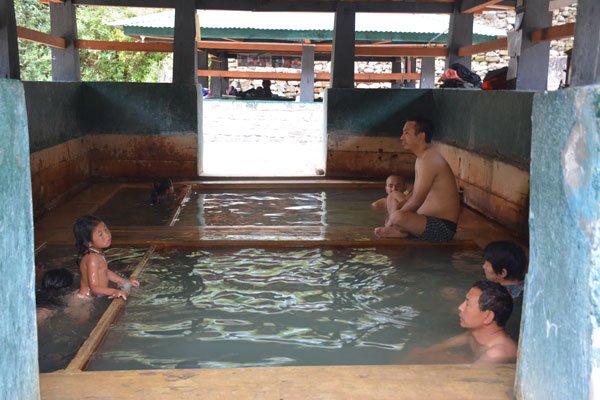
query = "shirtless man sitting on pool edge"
{"x": 431, "y": 211}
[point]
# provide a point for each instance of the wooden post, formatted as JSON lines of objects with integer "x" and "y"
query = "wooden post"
{"x": 586, "y": 50}
{"x": 397, "y": 68}
{"x": 411, "y": 64}
{"x": 427, "y": 73}
{"x": 9, "y": 47}
{"x": 203, "y": 64}
{"x": 217, "y": 84}
{"x": 184, "y": 43}
{"x": 342, "y": 55}
{"x": 532, "y": 63}
{"x": 460, "y": 33}
{"x": 65, "y": 62}
{"x": 307, "y": 82}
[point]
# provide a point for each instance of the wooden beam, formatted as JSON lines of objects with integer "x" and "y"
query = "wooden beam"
{"x": 394, "y": 6}
{"x": 124, "y": 46}
{"x": 290, "y": 76}
{"x": 474, "y": 6}
{"x": 553, "y": 33}
{"x": 41, "y": 37}
{"x": 87, "y": 349}
{"x": 498, "y": 44}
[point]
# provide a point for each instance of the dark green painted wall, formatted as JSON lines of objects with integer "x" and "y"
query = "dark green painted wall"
{"x": 374, "y": 112}
{"x": 496, "y": 124}
{"x": 60, "y": 111}
{"x": 52, "y": 110}
{"x": 18, "y": 362}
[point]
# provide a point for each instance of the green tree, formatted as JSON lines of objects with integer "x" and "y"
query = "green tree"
{"x": 96, "y": 65}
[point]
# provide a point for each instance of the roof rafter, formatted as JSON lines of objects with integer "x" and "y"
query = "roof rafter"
{"x": 431, "y": 6}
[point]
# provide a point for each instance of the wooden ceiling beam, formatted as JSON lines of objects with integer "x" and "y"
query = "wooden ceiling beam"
{"x": 394, "y": 6}
{"x": 41, "y": 37}
{"x": 498, "y": 44}
{"x": 553, "y": 33}
{"x": 474, "y": 6}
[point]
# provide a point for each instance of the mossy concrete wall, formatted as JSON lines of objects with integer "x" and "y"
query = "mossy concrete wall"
{"x": 18, "y": 359}
{"x": 560, "y": 334}
{"x": 78, "y": 130}
{"x": 485, "y": 136}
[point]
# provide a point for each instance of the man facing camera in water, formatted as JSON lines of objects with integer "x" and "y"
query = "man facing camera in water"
{"x": 431, "y": 211}
{"x": 484, "y": 313}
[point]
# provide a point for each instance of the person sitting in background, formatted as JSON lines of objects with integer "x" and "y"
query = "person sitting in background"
{"x": 397, "y": 190}
{"x": 162, "y": 188}
{"x": 505, "y": 263}
{"x": 484, "y": 313}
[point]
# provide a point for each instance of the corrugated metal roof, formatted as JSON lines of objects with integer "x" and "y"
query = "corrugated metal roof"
{"x": 303, "y": 21}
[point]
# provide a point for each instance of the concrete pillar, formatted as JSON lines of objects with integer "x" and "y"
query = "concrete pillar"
{"x": 9, "y": 47}
{"x": 18, "y": 334}
{"x": 397, "y": 69}
{"x": 63, "y": 23}
{"x": 559, "y": 351}
{"x": 185, "y": 65}
{"x": 203, "y": 64}
{"x": 532, "y": 63}
{"x": 427, "y": 73}
{"x": 218, "y": 85}
{"x": 586, "y": 51}
{"x": 307, "y": 80}
{"x": 460, "y": 33}
{"x": 342, "y": 55}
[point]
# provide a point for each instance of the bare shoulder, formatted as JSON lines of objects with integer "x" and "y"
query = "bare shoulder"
{"x": 503, "y": 351}
{"x": 93, "y": 260}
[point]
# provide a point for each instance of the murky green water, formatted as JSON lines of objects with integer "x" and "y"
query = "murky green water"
{"x": 257, "y": 307}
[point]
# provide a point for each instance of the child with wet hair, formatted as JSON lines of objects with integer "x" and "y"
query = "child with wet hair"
{"x": 55, "y": 282}
{"x": 397, "y": 185}
{"x": 91, "y": 237}
{"x": 162, "y": 188}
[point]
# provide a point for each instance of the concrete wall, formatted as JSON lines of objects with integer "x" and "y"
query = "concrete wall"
{"x": 78, "y": 130}
{"x": 18, "y": 359}
{"x": 560, "y": 346}
{"x": 485, "y": 136}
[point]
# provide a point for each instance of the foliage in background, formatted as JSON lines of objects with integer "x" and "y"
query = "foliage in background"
{"x": 92, "y": 24}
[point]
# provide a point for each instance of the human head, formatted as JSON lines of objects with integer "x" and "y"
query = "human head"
{"x": 57, "y": 278}
{"x": 421, "y": 125}
{"x": 266, "y": 83}
{"x": 395, "y": 183}
{"x": 504, "y": 260}
{"x": 487, "y": 302}
{"x": 162, "y": 186}
{"x": 90, "y": 231}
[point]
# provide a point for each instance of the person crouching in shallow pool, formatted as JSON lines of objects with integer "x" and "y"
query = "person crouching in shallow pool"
{"x": 505, "y": 263}
{"x": 91, "y": 238}
{"x": 484, "y": 313}
{"x": 397, "y": 190}
{"x": 55, "y": 294}
{"x": 162, "y": 188}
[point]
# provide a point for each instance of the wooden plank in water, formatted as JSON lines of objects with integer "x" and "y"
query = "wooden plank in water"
{"x": 431, "y": 382}
{"x": 83, "y": 356}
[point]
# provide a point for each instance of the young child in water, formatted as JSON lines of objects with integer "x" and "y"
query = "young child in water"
{"x": 162, "y": 188}
{"x": 393, "y": 184}
{"x": 91, "y": 237}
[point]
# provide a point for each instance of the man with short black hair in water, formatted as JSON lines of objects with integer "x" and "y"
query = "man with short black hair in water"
{"x": 484, "y": 313}
{"x": 431, "y": 211}
{"x": 505, "y": 263}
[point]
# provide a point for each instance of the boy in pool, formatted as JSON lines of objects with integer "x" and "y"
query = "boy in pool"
{"x": 55, "y": 294}
{"x": 397, "y": 190}
{"x": 484, "y": 313}
{"x": 163, "y": 187}
{"x": 91, "y": 237}
{"x": 505, "y": 263}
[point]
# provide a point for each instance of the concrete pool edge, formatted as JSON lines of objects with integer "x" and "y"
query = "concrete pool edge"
{"x": 323, "y": 382}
